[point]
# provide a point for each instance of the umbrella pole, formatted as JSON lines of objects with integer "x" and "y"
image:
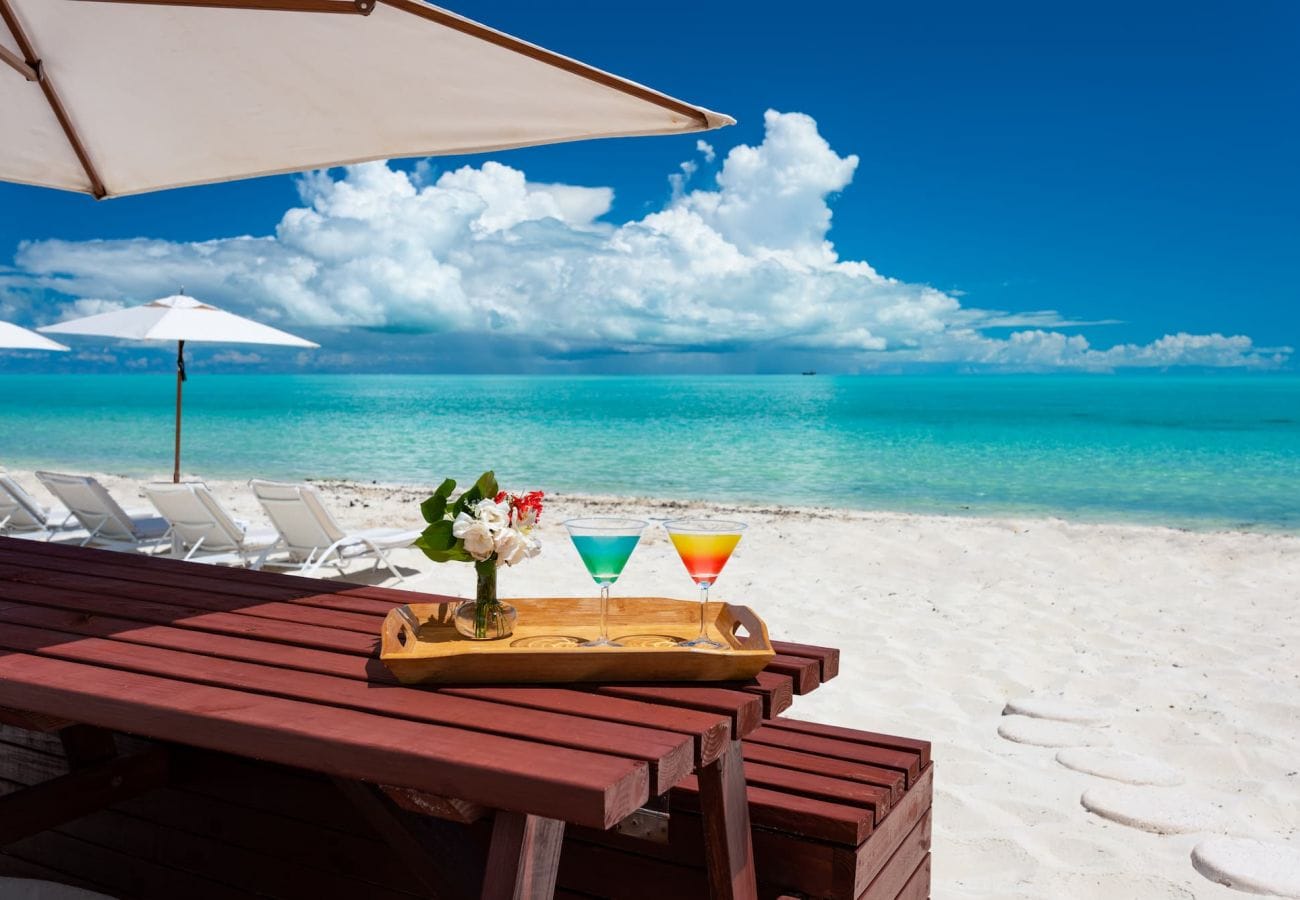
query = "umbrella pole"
{"x": 180, "y": 381}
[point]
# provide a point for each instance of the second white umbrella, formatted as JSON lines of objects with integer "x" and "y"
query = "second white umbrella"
{"x": 178, "y": 318}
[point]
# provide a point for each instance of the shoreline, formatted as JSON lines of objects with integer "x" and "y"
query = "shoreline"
{"x": 1190, "y": 525}
{"x": 868, "y": 514}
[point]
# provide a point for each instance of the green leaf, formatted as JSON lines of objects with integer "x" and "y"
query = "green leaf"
{"x": 434, "y": 509}
{"x": 487, "y": 485}
{"x": 438, "y": 536}
{"x": 455, "y": 554}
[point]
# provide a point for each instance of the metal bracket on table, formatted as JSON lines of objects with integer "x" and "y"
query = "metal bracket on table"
{"x": 645, "y": 824}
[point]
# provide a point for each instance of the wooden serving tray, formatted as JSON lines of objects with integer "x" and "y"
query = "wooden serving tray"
{"x": 421, "y": 644}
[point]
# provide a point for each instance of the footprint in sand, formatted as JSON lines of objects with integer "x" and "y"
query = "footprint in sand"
{"x": 1160, "y": 810}
{"x": 1049, "y": 733}
{"x": 1257, "y": 867}
{"x": 1119, "y": 766}
{"x": 1051, "y": 708}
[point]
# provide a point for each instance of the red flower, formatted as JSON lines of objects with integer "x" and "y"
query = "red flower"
{"x": 525, "y": 509}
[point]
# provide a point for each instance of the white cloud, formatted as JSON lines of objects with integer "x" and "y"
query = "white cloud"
{"x": 236, "y": 358}
{"x": 89, "y": 306}
{"x": 745, "y": 265}
{"x": 1038, "y": 318}
{"x": 706, "y": 149}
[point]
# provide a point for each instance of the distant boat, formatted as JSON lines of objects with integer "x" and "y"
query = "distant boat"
{"x": 808, "y": 373}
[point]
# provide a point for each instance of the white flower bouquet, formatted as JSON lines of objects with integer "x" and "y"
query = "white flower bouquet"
{"x": 488, "y": 527}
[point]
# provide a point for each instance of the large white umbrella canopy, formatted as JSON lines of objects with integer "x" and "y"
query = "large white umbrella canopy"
{"x": 177, "y": 318}
{"x": 113, "y": 97}
{"x": 12, "y": 337}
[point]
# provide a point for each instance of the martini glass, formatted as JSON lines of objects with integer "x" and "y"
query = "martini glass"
{"x": 604, "y": 545}
{"x": 704, "y": 545}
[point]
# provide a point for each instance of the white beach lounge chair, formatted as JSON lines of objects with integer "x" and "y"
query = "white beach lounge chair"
{"x": 202, "y": 527}
{"x": 104, "y": 520}
{"x": 21, "y": 514}
{"x": 311, "y": 536}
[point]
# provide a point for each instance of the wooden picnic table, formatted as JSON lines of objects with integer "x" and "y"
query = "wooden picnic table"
{"x": 285, "y": 669}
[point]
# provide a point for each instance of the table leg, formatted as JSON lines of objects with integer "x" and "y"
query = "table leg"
{"x": 524, "y": 857}
{"x": 728, "y": 844}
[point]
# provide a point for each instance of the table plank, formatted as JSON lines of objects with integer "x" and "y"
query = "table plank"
{"x": 186, "y": 617}
{"x": 207, "y": 643}
{"x": 777, "y": 691}
{"x": 194, "y": 598}
{"x": 37, "y": 552}
{"x": 669, "y": 755}
{"x": 744, "y": 710}
{"x": 713, "y": 729}
{"x": 805, "y": 673}
{"x": 581, "y": 787}
{"x": 819, "y": 786}
{"x": 892, "y": 780}
{"x": 908, "y": 762}
{"x": 827, "y": 657}
{"x": 894, "y": 742}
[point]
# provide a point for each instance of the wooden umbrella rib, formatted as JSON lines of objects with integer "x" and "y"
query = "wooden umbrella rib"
{"x": 354, "y": 7}
{"x": 33, "y": 61}
{"x": 11, "y": 58}
{"x": 572, "y": 66}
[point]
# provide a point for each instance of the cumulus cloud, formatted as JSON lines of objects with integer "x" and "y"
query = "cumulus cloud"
{"x": 742, "y": 265}
{"x": 88, "y": 306}
{"x": 237, "y": 358}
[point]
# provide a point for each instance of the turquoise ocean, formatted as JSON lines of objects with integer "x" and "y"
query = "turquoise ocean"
{"x": 1198, "y": 452}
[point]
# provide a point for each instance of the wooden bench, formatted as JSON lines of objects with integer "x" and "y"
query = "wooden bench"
{"x": 838, "y": 813}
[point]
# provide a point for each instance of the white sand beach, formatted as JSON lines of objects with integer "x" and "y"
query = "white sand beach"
{"x": 1153, "y": 674}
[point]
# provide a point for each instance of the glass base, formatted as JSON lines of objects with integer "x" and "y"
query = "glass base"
{"x": 650, "y": 640}
{"x": 600, "y": 642}
{"x": 488, "y": 621}
{"x": 702, "y": 643}
{"x": 547, "y": 641}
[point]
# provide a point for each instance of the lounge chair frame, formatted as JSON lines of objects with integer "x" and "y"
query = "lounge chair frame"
{"x": 314, "y": 539}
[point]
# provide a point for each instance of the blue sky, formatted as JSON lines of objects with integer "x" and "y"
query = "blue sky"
{"x": 1130, "y": 162}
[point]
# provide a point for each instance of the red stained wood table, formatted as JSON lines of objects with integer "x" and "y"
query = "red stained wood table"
{"x": 285, "y": 669}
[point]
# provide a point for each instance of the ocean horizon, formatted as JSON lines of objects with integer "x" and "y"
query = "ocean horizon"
{"x": 1183, "y": 451}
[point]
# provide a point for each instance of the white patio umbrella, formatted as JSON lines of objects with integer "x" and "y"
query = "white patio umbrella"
{"x": 113, "y": 97}
{"x": 178, "y": 318}
{"x": 12, "y": 337}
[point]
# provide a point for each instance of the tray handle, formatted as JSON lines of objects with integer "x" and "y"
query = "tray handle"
{"x": 401, "y": 630}
{"x": 755, "y": 628}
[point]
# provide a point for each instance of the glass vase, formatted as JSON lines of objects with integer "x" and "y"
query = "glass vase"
{"x": 485, "y": 618}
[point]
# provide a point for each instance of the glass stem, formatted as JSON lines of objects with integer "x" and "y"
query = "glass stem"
{"x": 604, "y": 612}
{"x": 704, "y": 605}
